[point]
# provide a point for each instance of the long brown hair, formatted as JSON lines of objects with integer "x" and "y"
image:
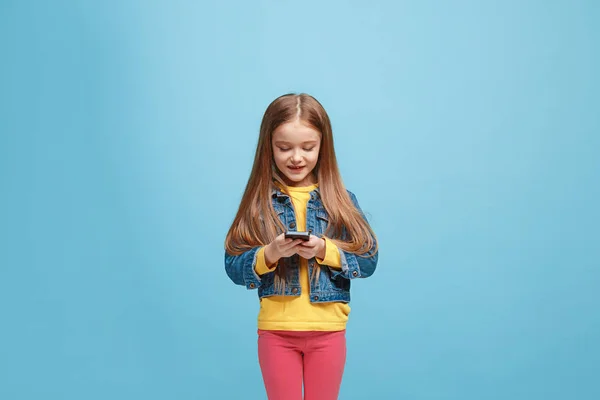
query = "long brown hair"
{"x": 257, "y": 224}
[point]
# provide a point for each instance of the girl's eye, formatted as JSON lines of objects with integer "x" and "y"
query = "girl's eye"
{"x": 283, "y": 148}
{"x": 309, "y": 149}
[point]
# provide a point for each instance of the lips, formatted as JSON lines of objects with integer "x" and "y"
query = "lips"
{"x": 296, "y": 169}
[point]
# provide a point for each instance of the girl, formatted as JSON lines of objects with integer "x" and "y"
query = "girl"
{"x": 303, "y": 286}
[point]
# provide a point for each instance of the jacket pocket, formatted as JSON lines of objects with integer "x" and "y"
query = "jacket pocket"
{"x": 322, "y": 220}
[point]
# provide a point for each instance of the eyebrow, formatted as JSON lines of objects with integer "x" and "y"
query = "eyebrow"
{"x": 288, "y": 143}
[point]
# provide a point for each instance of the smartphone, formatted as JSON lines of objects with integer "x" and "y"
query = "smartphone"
{"x": 297, "y": 235}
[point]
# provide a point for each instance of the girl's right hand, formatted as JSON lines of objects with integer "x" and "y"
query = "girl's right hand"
{"x": 280, "y": 247}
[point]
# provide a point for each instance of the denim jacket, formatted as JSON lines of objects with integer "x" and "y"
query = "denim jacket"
{"x": 333, "y": 284}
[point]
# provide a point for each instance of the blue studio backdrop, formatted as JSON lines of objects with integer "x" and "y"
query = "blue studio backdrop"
{"x": 469, "y": 131}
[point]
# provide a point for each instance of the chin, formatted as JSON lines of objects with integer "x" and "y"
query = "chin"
{"x": 295, "y": 180}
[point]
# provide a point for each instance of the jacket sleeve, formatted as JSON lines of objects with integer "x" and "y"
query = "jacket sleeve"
{"x": 357, "y": 266}
{"x": 241, "y": 268}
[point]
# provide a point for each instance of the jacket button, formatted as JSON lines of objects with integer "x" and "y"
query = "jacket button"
{"x": 295, "y": 290}
{"x": 252, "y": 286}
{"x": 354, "y": 273}
{"x": 292, "y": 225}
{"x": 316, "y": 298}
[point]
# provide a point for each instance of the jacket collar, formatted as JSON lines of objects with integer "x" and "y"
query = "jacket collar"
{"x": 276, "y": 192}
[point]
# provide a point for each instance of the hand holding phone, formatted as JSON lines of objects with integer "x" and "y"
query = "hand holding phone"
{"x": 280, "y": 247}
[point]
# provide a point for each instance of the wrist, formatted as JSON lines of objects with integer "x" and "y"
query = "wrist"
{"x": 322, "y": 251}
{"x": 270, "y": 257}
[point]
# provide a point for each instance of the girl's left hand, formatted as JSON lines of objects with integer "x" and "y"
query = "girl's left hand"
{"x": 313, "y": 247}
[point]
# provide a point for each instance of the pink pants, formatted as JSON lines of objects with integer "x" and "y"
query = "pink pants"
{"x": 287, "y": 358}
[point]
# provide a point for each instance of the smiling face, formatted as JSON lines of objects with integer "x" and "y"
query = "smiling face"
{"x": 296, "y": 148}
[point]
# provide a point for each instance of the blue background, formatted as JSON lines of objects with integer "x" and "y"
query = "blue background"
{"x": 469, "y": 131}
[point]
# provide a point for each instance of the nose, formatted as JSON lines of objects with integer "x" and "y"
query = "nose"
{"x": 296, "y": 157}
